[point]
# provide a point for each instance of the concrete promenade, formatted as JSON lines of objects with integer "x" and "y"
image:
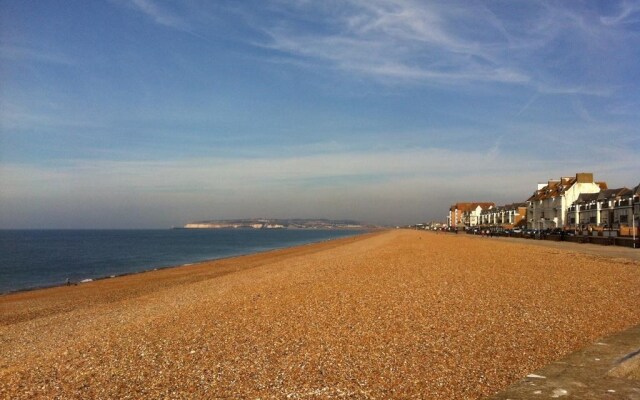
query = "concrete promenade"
{"x": 583, "y": 248}
{"x": 607, "y": 369}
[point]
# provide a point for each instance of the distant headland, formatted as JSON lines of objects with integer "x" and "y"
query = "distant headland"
{"x": 268, "y": 223}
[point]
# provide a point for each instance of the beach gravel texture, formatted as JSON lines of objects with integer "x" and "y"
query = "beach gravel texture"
{"x": 396, "y": 314}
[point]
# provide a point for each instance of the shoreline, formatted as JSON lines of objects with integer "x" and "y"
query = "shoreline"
{"x": 100, "y": 278}
{"x": 158, "y": 268}
{"x": 161, "y": 277}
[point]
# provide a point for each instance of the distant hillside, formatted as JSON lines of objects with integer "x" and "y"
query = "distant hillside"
{"x": 267, "y": 223}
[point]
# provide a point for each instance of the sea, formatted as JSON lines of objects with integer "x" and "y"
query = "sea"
{"x": 31, "y": 259}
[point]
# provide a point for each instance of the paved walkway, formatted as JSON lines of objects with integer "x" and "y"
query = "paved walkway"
{"x": 586, "y": 248}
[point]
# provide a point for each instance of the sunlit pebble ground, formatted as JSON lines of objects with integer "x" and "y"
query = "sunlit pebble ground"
{"x": 399, "y": 314}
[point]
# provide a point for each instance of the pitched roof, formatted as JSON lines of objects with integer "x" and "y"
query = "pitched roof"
{"x": 484, "y": 205}
{"x": 613, "y": 193}
{"x": 547, "y": 191}
{"x": 587, "y": 197}
{"x": 464, "y": 207}
{"x": 514, "y": 206}
{"x": 555, "y": 188}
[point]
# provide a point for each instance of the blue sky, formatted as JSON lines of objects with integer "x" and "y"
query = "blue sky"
{"x": 148, "y": 113}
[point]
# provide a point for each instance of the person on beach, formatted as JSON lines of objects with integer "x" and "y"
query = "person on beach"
{"x": 68, "y": 282}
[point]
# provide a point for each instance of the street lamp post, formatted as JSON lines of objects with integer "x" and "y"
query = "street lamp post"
{"x": 633, "y": 222}
{"x": 633, "y": 227}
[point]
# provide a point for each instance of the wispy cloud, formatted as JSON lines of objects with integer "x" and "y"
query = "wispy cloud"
{"x": 601, "y": 91}
{"x": 624, "y": 109}
{"x": 16, "y": 118}
{"x": 581, "y": 110}
{"x": 23, "y": 53}
{"x": 628, "y": 14}
{"x": 399, "y": 41}
{"x": 450, "y": 43}
{"x": 446, "y": 44}
{"x": 528, "y": 104}
{"x": 162, "y": 16}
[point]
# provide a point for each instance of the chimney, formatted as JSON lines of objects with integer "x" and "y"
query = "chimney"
{"x": 584, "y": 177}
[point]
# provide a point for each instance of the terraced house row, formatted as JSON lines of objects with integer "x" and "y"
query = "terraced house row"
{"x": 577, "y": 203}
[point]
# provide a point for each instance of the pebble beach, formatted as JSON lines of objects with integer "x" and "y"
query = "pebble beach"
{"x": 392, "y": 314}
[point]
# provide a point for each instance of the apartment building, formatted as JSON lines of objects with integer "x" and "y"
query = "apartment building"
{"x": 548, "y": 206}
{"x": 467, "y": 214}
{"x": 584, "y": 212}
{"x": 608, "y": 201}
{"x": 507, "y": 217}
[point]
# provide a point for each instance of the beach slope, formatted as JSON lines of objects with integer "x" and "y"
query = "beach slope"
{"x": 384, "y": 315}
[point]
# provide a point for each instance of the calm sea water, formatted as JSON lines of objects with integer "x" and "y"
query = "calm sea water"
{"x": 39, "y": 258}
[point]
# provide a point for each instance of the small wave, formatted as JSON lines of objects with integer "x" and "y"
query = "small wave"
{"x": 86, "y": 280}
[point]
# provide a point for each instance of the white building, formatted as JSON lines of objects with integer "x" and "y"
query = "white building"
{"x": 467, "y": 214}
{"x": 548, "y": 206}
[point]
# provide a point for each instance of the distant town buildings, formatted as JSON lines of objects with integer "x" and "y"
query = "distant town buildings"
{"x": 466, "y": 214}
{"x": 576, "y": 203}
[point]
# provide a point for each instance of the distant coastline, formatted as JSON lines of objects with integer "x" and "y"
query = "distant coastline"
{"x": 268, "y": 223}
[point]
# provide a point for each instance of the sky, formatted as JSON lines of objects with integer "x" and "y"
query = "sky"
{"x": 151, "y": 114}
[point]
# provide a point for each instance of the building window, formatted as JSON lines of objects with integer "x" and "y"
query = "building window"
{"x": 592, "y": 220}
{"x": 623, "y": 219}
